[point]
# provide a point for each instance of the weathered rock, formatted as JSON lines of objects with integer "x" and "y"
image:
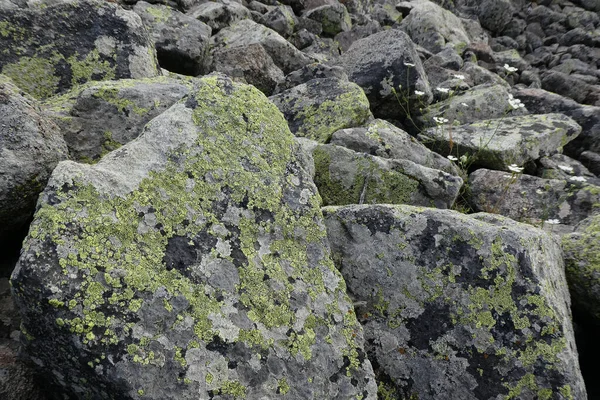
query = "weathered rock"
{"x": 592, "y": 161}
{"x": 181, "y": 42}
{"x": 191, "y": 263}
{"x": 345, "y": 177}
{"x": 582, "y": 263}
{"x": 247, "y": 32}
{"x": 531, "y": 199}
{"x": 480, "y": 76}
{"x": 99, "y": 117}
{"x": 498, "y": 143}
{"x": 382, "y": 139}
{"x": 540, "y": 101}
{"x": 383, "y": 63}
{"x": 281, "y": 19}
{"x": 494, "y": 15}
{"x": 47, "y": 50}
{"x": 559, "y": 166}
{"x": 334, "y": 18}
{"x": 320, "y": 107}
{"x": 30, "y": 147}
{"x": 308, "y": 73}
{"x": 323, "y": 50}
{"x": 432, "y": 27}
{"x": 345, "y": 39}
{"x": 456, "y": 306}
{"x": 219, "y": 15}
{"x": 570, "y": 86}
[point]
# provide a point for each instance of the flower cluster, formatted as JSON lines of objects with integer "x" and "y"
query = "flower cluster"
{"x": 515, "y": 168}
{"x": 442, "y": 90}
{"x": 419, "y": 93}
{"x": 553, "y": 221}
{"x": 515, "y": 103}
{"x": 459, "y": 76}
{"x": 452, "y": 158}
{"x": 440, "y": 120}
{"x": 509, "y": 68}
{"x": 578, "y": 179}
{"x": 568, "y": 169}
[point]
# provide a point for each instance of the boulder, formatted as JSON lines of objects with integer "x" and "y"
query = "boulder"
{"x": 572, "y": 87}
{"x": 494, "y": 15}
{"x": 219, "y": 15}
{"x": 382, "y": 139}
{"x": 281, "y": 19}
{"x": 559, "y": 166}
{"x": 592, "y": 161}
{"x": 456, "y": 306}
{"x": 182, "y": 42}
{"x": 319, "y": 107}
{"x": 192, "y": 262}
{"x": 30, "y": 147}
{"x": 345, "y": 177}
{"x": 334, "y": 18}
{"x": 501, "y": 142}
{"x": 582, "y": 263}
{"x": 48, "y": 50}
{"x": 386, "y": 65}
{"x": 99, "y": 117}
{"x": 308, "y": 73}
{"x": 531, "y": 199}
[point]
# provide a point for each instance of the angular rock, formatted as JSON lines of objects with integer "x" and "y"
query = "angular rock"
{"x": 456, "y": 306}
{"x": 247, "y": 32}
{"x": 494, "y": 15}
{"x": 334, "y": 18}
{"x": 191, "y": 263}
{"x": 592, "y": 161}
{"x": 582, "y": 266}
{"x": 498, "y": 143}
{"x": 531, "y": 199}
{"x": 99, "y": 117}
{"x": 320, "y": 107}
{"x": 383, "y": 63}
{"x": 480, "y": 76}
{"x": 308, "y": 73}
{"x": 559, "y": 166}
{"x": 47, "y": 50}
{"x": 30, "y": 147}
{"x": 182, "y": 42}
{"x": 219, "y": 15}
{"x": 347, "y": 177}
{"x": 345, "y": 39}
{"x": 572, "y": 87}
{"x": 382, "y": 139}
{"x": 432, "y": 27}
{"x": 281, "y": 19}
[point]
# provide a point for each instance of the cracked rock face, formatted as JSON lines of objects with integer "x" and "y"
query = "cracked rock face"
{"x": 190, "y": 263}
{"x": 456, "y": 306}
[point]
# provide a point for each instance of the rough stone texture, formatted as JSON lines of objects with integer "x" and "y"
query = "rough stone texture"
{"x": 30, "y": 147}
{"x": 380, "y": 64}
{"x": 532, "y": 199}
{"x": 281, "y": 19}
{"x": 219, "y": 15}
{"x": 308, "y": 73}
{"x": 480, "y": 76}
{"x": 249, "y": 64}
{"x": 592, "y": 161}
{"x": 494, "y": 15}
{"x": 382, "y": 139}
{"x": 247, "y": 32}
{"x": 320, "y": 107}
{"x": 456, "y": 306}
{"x": 582, "y": 262}
{"x": 432, "y": 27}
{"x": 540, "y": 101}
{"x": 182, "y": 42}
{"x": 99, "y": 117}
{"x": 345, "y": 177}
{"x": 345, "y": 39}
{"x": 570, "y": 86}
{"x": 334, "y": 18}
{"x": 498, "y": 143}
{"x": 559, "y": 166}
{"x": 47, "y": 50}
{"x": 191, "y": 263}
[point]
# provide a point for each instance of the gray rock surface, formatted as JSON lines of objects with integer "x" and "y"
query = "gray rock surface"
{"x": 219, "y": 14}
{"x": 319, "y": 107}
{"x": 345, "y": 177}
{"x": 30, "y": 147}
{"x": 501, "y": 142}
{"x": 334, "y": 18}
{"x": 47, "y": 50}
{"x": 192, "y": 262}
{"x": 456, "y": 306}
{"x": 99, "y": 117}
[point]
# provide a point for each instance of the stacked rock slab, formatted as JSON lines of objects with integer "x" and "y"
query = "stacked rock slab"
{"x": 456, "y": 306}
{"x": 190, "y": 263}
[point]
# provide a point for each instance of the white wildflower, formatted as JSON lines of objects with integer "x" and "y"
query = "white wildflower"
{"x": 419, "y": 93}
{"x": 442, "y": 90}
{"x": 515, "y": 103}
{"x": 553, "y": 221}
{"x": 578, "y": 179}
{"x": 440, "y": 120}
{"x": 515, "y": 168}
{"x": 509, "y": 68}
{"x": 459, "y": 76}
{"x": 452, "y": 158}
{"x": 464, "y": 159}
{"x": 566, "y": 168}
{"x": 464, "y": 104}
{"x": 409, "y": 64}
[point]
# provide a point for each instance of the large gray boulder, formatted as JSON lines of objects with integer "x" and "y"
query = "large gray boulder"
{"x": 387, "y": 67}
{"x": 456, "y": 306}
{"x": 30, "y": 147}
{"x": 345, "y": 177}
{"x": 49, "y": 49}
{"x": 501, "y": 142}
{"x": 190, "y": 263}
{"x": 99, "y": 117}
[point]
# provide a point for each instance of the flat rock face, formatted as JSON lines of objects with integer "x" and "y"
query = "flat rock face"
{"x": 47, "y": 50}
{"x": 30, "y": 147}
{"x": 498, "y": 143}
{"x": 456, "y": 306}
{"x": 191, "y": 263}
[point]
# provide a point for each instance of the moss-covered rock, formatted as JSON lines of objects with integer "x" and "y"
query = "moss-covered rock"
{"x": 192, "y": 262}
{"x": 456, "y": 306}
{"x": 50, "y": 48}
